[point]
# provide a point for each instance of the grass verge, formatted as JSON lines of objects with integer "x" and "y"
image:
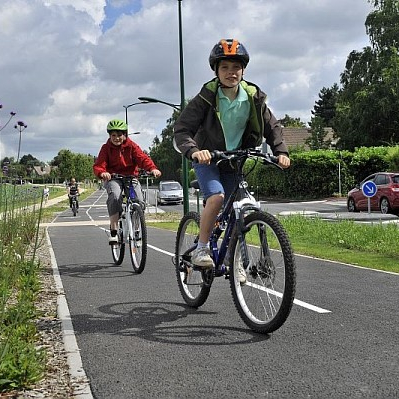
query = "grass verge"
{"x": 373, "y": 246}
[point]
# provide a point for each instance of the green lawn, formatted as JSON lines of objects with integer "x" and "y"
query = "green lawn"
{"x": 372, "y": 246}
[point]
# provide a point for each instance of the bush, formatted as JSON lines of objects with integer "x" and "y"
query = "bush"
{"x": 315, "y": 174}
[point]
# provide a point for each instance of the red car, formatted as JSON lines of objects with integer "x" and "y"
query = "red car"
{"x": 386, "y": 198}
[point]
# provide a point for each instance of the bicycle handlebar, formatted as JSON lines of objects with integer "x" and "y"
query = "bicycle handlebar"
{"x": 248, "y": 153}
{"x": 118, "y": 176}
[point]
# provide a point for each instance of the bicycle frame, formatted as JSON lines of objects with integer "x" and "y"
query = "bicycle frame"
{"x": 74, "y": 204}
{"x": 129, "y": 197}
{"x": 132, "y": 230}
{"x": 240, "y": 202}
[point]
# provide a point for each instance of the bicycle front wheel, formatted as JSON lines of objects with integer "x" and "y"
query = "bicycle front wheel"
{"x": 265, "y": 299}
{"x": 118, "y": 250}
{"x": 194, "y": 284}
{"x": 138, "y": 239}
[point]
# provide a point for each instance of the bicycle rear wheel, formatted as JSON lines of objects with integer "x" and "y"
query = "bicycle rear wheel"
{"x": 265, "y": 300}
{"x": 138, "y": 239}
{"x": 118, "y": 250}
{"x": 194, "y": 284}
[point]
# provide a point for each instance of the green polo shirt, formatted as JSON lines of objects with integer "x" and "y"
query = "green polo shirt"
{"x": 233, "y": 117}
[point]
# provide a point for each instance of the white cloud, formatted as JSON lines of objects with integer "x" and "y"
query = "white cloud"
{"x": 66, "y": 78}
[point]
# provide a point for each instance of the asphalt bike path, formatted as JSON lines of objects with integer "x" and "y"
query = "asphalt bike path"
{"x": 137, "y": 339}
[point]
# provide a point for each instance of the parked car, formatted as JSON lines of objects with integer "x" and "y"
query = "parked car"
{"x": 170, "y": 192}
{"x": 386, "y": 199}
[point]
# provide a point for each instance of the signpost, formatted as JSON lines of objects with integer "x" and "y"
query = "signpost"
{"x": 369, "y": 189}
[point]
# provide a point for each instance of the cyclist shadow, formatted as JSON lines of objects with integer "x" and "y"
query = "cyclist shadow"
{"x": 101, "y": 270}
{"x": 148, "y": 320}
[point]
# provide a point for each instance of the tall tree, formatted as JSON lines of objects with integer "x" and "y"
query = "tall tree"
{"x": 326, "y": 105}
{"x": 367, "y": 105}
{"x": 164, "y": 155}
{"x": 69, "y": 164}
{"x": 317, "y": 139}
{"x": 29, "y": 159}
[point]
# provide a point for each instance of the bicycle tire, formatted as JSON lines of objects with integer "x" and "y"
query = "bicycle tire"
{"x": 74, "y": 208}
{"x": 138, "y": 241}
{"x": 194, "y": 285}
{"x": 118, "y": 250}
{"x": 265, "y": 300}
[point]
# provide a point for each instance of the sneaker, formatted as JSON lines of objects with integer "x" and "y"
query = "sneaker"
{"x": 113, "y": 240}
{"x": 242, "y": 276}
{"x": 201, "y": 257}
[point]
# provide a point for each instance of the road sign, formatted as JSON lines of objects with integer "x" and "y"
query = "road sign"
{"x": 369, "y": 189}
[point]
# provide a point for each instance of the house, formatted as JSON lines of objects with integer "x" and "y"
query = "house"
{"x": 296, "y": 137}
{"x": 42, "y": 170}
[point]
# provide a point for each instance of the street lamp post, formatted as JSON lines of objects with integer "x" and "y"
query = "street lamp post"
{"x": 147, "y": 100}
{"x": 182, "y": 101}
{"x": 20, "y": 126}
{"x": 131, "y": 105}
{"x": 186, "y": 204}
{"x": 184, "y": 159}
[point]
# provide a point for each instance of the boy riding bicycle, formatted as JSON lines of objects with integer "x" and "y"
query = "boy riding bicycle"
{"x": 120, "y": 155}
{"x": 73, "y": 191}
{"x": 229, "y": 113}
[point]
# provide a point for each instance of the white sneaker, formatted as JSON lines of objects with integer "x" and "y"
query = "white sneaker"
{"x": 201, "y": 257}
{"x": 113, "y": 240}
{"x": 242, "y": 276}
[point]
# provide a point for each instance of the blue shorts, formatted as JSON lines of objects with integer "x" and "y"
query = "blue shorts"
{"x": 214, "y": 181}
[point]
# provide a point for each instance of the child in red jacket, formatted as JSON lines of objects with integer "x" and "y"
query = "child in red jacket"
{"x": 122, "y": 156}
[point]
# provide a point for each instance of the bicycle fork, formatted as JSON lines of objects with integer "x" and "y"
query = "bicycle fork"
{"x": 241, "y": 208}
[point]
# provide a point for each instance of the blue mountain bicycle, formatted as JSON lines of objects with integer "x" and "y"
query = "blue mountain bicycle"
{"x": 132, "y": 228}
{"x": 243, "y": 236}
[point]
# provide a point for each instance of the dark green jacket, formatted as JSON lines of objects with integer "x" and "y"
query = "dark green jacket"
{"x": 199, "y": 127}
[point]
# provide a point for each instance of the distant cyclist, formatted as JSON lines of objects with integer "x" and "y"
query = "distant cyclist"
{"x": 120, "y": 155}
{"x": 73, "y": 191}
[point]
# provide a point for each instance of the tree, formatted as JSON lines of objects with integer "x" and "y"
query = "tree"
{"x": 317, "y": 139}
{"x": 162, "y": 152}
{"x": 287, "y": 121}
{"x": 366, "y": 112}
{"x": 69, "y": 164}
{"x": 326, "y": 105}
{"x": 29, "y": 160}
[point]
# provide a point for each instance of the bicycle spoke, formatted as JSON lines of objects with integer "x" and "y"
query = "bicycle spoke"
{"x": 265, "y": 299}
{"x": 137, "y": 238}
{"x": 192, "y": 286}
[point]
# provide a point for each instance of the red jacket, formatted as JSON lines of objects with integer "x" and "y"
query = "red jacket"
{"x": 125, "y": 159}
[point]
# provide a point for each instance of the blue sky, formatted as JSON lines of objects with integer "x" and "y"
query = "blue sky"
{"x": 114, "y": 9}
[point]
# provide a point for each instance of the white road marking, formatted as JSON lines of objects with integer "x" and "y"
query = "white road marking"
{"x": 296, "y": 301}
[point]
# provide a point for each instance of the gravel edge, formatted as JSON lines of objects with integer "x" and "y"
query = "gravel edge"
{"x": 64, "y": 375}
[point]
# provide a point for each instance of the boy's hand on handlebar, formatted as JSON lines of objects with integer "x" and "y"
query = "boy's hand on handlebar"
{"x": 284, "y": 161}
{"x": 156, "y": 173}
{"x": 203, "y": 156}
{"x": 106, "y": 176}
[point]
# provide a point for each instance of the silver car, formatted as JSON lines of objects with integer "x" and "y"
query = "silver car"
{"x": 170, "y": 192}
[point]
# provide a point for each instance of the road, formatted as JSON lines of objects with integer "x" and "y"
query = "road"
{"x": 137, "y": 339}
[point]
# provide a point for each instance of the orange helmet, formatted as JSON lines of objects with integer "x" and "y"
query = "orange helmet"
{"x": 228, "y": 49}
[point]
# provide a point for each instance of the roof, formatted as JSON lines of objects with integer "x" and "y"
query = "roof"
{"x": 295, "y": 136}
